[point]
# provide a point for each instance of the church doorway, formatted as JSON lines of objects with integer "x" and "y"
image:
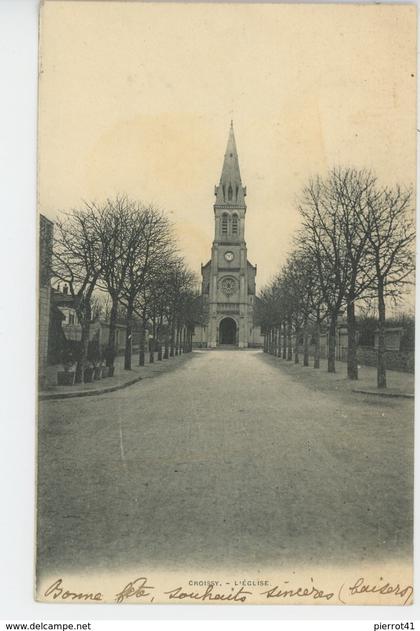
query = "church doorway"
{"x": 227, "y": 331}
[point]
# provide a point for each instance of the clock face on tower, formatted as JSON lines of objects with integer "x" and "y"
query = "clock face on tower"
{"x": 229, "y": 256}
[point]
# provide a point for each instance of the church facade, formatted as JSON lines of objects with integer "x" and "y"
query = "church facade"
{"x": 228, "y": 279}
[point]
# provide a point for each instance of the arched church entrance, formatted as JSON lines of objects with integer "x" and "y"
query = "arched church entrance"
{"x": 227, "y": 331}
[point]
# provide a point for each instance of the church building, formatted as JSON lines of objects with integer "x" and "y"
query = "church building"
{"x": 228, "y": 279}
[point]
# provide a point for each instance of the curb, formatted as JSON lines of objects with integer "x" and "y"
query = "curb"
{"x": 46, "y": 396}
{"x": 394, "y": 395}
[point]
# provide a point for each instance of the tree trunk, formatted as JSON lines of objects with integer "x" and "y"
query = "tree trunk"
{"x": 128, "y": 337}
{"x": 159, "y": 341}
{"x": 352, "y": 370}
{"x": 284, "y": 339}
{"x": 166, "y": 351}
{"x": 177, "y": 340}
{"x": 297, "y": 335}
{"x": 172, "y": 349}
{"x": 152, "y": 342}
{"x": 317, "y": 350}
{"x": 305, "y": 344}
{"x": 142, "y": 343}
{"x": 279, "y": 341}
{"x": 381, "y": 369}
{"x": 84, "y": 343}
{"x": 332, "y": 343}
{"x": 289, "y": 342}
{"x": 111, "y": 351}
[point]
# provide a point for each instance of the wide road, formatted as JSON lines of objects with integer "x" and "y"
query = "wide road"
{"x": 227, "y": 459}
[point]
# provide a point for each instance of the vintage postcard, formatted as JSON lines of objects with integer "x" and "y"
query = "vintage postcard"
{"x": 226, "y": 313}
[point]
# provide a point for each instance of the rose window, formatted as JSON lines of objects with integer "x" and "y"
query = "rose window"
{"x": 228, "y": 286}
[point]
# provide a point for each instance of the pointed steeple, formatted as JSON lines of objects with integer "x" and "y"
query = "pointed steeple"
{"x": 230, "y": 191}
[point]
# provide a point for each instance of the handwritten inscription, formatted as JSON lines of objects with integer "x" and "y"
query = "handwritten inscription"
{"x": 135, "y": 589}
{"x": 238, "y": 595}
{"x": 237, "y": 591}
{"x": 361, "y": 587}
{"x": 57, "y": 591}
{"x": 300, "y": 592}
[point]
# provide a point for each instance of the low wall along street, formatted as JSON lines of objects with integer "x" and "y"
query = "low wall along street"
{"x": 401, "y": 361}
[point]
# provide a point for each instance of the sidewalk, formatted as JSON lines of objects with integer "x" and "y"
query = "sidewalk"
{"x": 400, "y": 384}
{"x": 121, "y": 379}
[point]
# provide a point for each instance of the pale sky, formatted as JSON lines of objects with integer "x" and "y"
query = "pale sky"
{"x": 137, "y": 99}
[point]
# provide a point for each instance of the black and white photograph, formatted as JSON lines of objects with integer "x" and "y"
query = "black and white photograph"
{"x": 226, "y": 303}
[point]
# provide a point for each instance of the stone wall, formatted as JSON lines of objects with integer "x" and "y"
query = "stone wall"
{"x": 402, "y": 361}
{"x": 43, "y": 325}
{"x": 44, "y": 295}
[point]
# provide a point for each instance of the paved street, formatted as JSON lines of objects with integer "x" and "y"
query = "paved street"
{"x": 227, "y": 459}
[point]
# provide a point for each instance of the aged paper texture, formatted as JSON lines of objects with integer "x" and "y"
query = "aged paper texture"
{"x": 226, "y": 320}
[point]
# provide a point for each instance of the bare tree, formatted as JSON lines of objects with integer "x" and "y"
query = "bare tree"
{"x": 193, "y": 312}
{"x": 353, "y": 190}
{"x": 316, "y": 308}
{"x": 121, "y": 232}
{"x": 269, "y": 312}
{"x": 355, "y": 244}
{"x": 154, "y": 245}
{"x": 78, "y": 261}
{"x": 388, "y": 221}
{"x": 181, "y": 282}
{"x": 159, "y": 290}
{"x": 297, "y": 287}
{"x": 154, "y": 282}
{"x": 323, "y": 237}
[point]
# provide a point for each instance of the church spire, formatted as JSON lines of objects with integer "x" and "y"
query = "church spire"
{"x": 230, "y": 191}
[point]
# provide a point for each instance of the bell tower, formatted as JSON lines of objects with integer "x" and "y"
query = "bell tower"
{"x": 229, "y": 278}
{"x": 230, "y": 207}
